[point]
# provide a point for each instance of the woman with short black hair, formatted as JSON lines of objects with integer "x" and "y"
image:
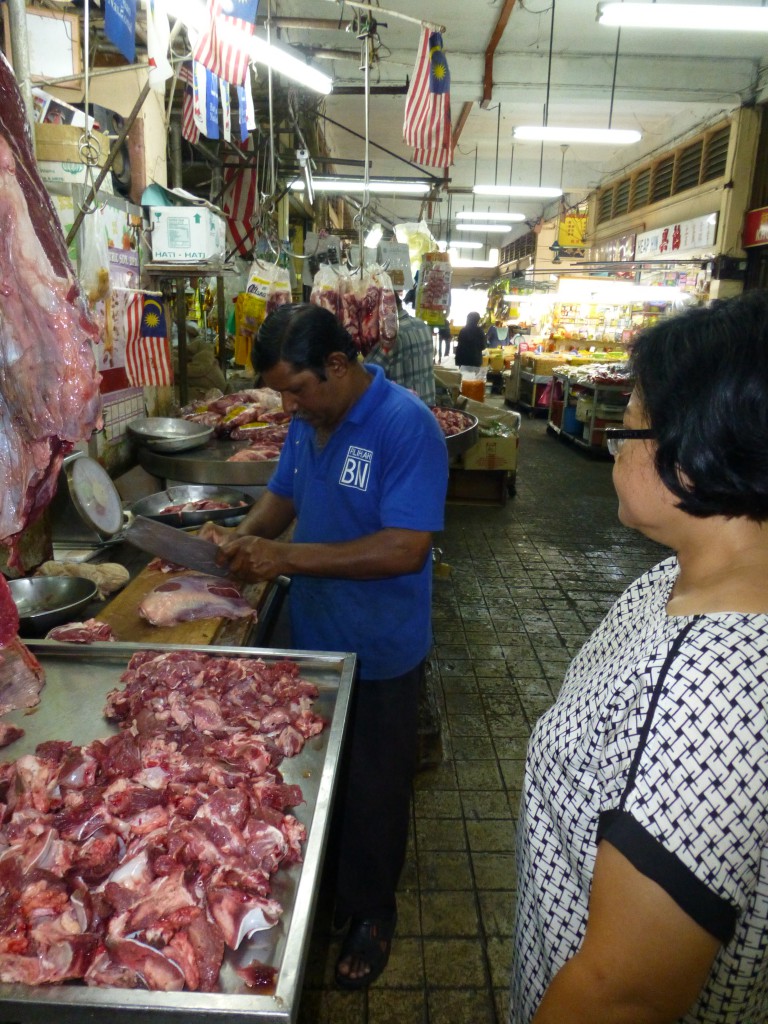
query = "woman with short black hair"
{"x": 643, "y": 836}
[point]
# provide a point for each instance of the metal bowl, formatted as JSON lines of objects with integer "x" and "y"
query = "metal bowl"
{"x": 152, "y": 506}
{"x": 169, "y": 433}
{"x": 47, "y": 601}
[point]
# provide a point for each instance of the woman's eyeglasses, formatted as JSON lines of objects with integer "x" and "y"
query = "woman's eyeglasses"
{"x": 616, "y": 436}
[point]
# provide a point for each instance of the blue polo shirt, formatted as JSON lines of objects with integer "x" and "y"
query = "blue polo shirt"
{"x": 384, "y": 466}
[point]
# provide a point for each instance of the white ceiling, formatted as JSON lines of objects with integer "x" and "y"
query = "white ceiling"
{"x": 666, "y": 85}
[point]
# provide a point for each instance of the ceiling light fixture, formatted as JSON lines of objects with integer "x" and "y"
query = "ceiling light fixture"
{"x": 691, "y": 17}
{"x": 518, "y": 191}
{"x": 507, "y": 218}
{"x": 460, "y": 244}
{"x": 500, "y": 229}
{"x": 599, "y": 136}
{"x": 289, "y": 63}
{"x": 385, "y": 186}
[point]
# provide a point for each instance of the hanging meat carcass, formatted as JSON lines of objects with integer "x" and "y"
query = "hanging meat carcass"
{"x": 49, "y": 383}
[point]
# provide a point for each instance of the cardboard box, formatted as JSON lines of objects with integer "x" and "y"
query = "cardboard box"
{"x": 493, "y": 453}
{"x": 467, "y": 487}
{"x": 61, "y": 172}
{"x": 61, "y": 142}
{"x": 187, "y": 234}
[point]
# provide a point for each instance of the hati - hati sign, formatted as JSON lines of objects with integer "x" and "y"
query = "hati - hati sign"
{"x": 677, "y": 239}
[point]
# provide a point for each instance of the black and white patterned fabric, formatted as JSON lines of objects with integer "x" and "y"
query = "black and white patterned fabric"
{"x": 694, "y": 817}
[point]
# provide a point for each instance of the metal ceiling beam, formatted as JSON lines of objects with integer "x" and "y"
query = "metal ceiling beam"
{"x": 496, "y": 35}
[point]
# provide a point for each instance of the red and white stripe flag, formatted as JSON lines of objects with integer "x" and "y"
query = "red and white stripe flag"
{"x": 189, "y": 129}
{"x": 224, "y": 46}
{"x": 427, "y": 122}
{"x": 240, "y": 198}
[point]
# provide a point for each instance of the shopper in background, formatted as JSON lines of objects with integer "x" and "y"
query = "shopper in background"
{"x": 471, "y": 343}
{"x": 364, "y": 471}
{"x": 409, "y": 359}
{"x": 497, "y": 334}
{"x": 643, "y": 833}
{"x": 445, "y": 340}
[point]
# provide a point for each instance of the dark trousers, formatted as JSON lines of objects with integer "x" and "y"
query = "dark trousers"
{"x": 372, "y": 810}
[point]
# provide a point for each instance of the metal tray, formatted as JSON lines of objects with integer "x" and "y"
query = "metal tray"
{"x": 151, "y": 506}
{"x": 169, "y": 433}
{"x": 457, "y": 444}
{"x": 208, "y": 465}
{"x": 77, "y": 681}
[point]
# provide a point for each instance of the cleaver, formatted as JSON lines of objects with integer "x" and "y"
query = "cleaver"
{"x": 174, "y": 545}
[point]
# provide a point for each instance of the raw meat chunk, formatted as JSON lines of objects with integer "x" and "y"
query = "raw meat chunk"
{"x": 194, "y": 597}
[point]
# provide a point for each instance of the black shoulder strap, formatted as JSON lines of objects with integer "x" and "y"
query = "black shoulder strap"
{"x": 671, "y": 655}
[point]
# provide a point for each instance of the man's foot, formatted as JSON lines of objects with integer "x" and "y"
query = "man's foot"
{"x": 365, "y": 951}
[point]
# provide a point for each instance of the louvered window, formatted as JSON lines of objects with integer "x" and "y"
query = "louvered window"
{"x": 688, "y": 166}
{"x": 716, "y": 154}
{"x": 642, "y": 188}
{"x": 621, "y": 198}
{"x": 604, "y": 205}
{"x": 662, "y": 179}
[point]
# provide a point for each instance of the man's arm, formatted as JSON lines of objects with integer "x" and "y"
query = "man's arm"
{"x": 390, "y": 552}
{"x": 643, "y": 959}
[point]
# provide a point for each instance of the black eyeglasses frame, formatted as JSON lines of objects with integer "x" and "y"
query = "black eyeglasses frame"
{"x": 626, "y": 434}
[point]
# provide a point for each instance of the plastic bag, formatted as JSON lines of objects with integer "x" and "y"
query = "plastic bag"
{"x": 325, "y": 289}
{"x": 94, "y": 259}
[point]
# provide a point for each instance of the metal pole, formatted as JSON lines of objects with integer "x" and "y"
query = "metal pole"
{"x": 176, "y": 164}
{"x": 181, "y": 328}
{"x": 17, "y": 15}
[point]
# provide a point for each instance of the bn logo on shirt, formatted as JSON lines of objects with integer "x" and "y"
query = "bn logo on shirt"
{"x": 357, "y": 468}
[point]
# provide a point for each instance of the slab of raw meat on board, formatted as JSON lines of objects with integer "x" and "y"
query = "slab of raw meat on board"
{"x": 49, "y": 383}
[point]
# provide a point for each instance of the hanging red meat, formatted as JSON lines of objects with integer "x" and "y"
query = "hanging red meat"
{"x": 49, "y": 384}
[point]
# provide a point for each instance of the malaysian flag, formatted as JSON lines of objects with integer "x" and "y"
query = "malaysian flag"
{"x": 224, "y": 46}
{"x": 240, "y": 202}
{"x": 147, "y": 360}
{"x": 189, "y": 129}
{"x": 427, "y": 123}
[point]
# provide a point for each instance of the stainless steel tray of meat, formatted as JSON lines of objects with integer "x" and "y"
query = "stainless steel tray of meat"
{"x": 457, "y": 444}
{"x": 168, "y": 433}
{"x": 72, "y": 700}
{"x": 152, "y": 506}
{"x": 208, "y": 465}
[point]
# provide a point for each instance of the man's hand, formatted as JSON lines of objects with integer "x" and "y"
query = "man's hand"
{"x": 254, "y": 558}
{"x": 216, "y": 534}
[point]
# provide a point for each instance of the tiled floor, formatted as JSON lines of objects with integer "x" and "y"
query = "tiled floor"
{"x": 528, "y": 582}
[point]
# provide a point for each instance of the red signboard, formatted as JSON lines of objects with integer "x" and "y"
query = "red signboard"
{"x": 755, "y": 227}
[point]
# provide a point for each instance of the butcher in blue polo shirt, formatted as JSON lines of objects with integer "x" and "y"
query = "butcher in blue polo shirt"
{"x": 364, "y": 472}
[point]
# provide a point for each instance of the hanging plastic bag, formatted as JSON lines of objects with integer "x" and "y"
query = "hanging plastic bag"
{"x": 94, "y": 259}
{"x": 350, "y": 296}
{"x": 279, "y": 292}
{"x": 325, "y": 289}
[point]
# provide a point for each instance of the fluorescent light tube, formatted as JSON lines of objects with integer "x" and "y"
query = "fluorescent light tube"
{"x": 691, "y": 17}
{"x": 599, "y": 136}
{"x": 498, "y": 229}
{"x": 460, "y": 244}
{"x": 520, "y": 191}
{"x": 290, "y": 64}
{"x": 507, "y": 218}
{"x": 339, "y": 185}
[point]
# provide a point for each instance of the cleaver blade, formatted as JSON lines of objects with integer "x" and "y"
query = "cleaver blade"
{"x": 174, "y": 545}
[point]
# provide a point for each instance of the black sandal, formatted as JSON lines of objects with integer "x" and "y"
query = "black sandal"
{"x": 368, "y": 941}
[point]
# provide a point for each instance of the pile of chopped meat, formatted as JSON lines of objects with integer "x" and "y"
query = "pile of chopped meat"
{"x": 49, "y": 384}
{"x": 264, "y": 443}
{"x": 452, "y": 421}
{"x": 200, "y": 505}
{"x": 226, "y": 413}
{"x": 137, "y": 860}
{"x": 363, "y": 302}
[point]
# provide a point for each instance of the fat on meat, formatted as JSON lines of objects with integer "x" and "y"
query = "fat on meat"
{"x": 192, "y": 597}
{"x": 21, "y": 677}
{"x": 49, "y": 383}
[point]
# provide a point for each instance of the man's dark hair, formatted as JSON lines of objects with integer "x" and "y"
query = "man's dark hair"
{"x": 703, "y": 379}
{"x": 303, "y": 335}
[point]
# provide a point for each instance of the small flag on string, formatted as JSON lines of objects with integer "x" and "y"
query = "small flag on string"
{"x": 239, "y": 202}
{"x": 427, "y": 123}
{"x": 189, "y": 129}
{"x": 226, "y": 110}
{"x": 205, "y": 86}
{"x": 158, "y": 42}
{"x": 120, "y": 26}
{"x": 224, "y": 46}
{"x": 246, "y": 113}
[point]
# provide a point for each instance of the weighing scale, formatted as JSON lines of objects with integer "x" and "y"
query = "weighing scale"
{"x": 86, "y": 511}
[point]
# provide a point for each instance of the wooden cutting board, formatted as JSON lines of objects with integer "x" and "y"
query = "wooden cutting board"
{"x": 122, "y": 614}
